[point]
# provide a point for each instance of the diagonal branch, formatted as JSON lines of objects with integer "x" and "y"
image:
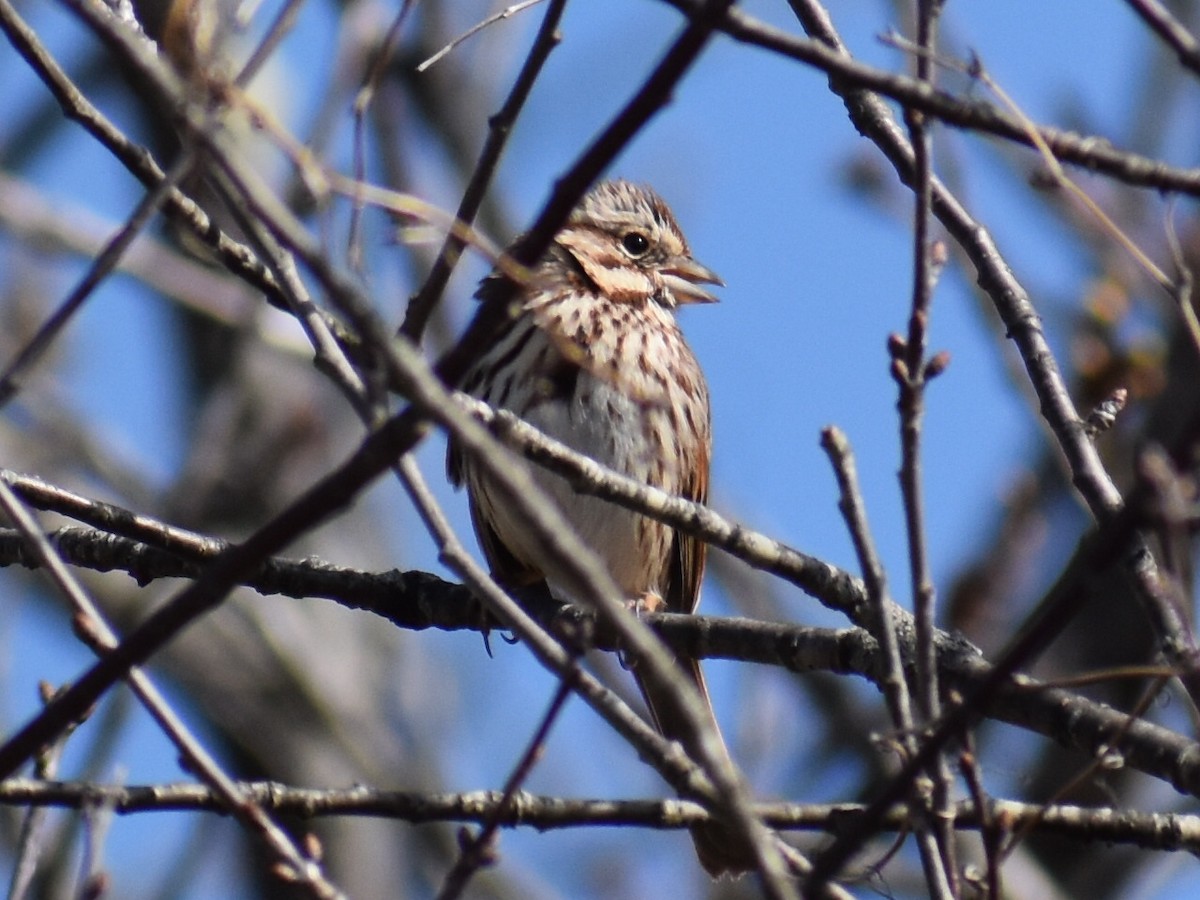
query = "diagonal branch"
{"x": 1090, "y": 152}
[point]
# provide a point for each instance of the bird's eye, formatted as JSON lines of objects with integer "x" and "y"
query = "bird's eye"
{"x": 636, "y": 244}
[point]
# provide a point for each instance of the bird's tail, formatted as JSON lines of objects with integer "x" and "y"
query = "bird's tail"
{"x": 720, "y": 852}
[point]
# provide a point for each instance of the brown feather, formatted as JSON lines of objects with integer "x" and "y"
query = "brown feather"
{"x": 717, "y": 850}
{"x": 504, "y": 566}
{"x": 683, "y": 590}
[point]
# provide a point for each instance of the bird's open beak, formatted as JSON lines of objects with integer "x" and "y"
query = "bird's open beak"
{"x": 684, "y": 276}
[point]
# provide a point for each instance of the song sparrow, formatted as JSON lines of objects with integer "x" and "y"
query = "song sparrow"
{"x": 593, "y": 357}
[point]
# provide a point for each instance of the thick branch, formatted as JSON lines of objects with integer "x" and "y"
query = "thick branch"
{"x": 1151, "y": 831}
{"x": 418, "y": 600}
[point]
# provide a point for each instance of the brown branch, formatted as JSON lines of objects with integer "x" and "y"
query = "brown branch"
{"x": 882, "y": 626}
{"x": 911, "y": 371}
{"x": 1090, "y": 152}
{"x": 1150, "y": 831}
{"x": 99, "y": 269}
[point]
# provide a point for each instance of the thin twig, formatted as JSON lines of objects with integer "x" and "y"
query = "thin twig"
{"x": 280, "y": 27}
{"x": 911, "y": 371}
{"x": 372, "y": 78}
{"x": 324, "y": 180}
{"x": 28, "y": 214}
{"x": 990, "y": 833}
{"x": 1183, "y": 281}
{"x": 895, "y": 685}
{"x": 1058, "y": 176}
{"x": 99, "y": 269}
{"x": 1108, "y": 759}
{"x": 850, "y": 502}
{"x": 911, "y": 377}
{"x": 30, "y": 841}
{"x": 499, "y": 128}
{"x": 507, "y": 13}
{"x": 479, "y": 850}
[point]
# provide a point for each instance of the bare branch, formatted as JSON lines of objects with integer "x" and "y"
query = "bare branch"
{"x": 1151, "y": 831}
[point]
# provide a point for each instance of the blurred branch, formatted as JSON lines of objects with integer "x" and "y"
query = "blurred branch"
{"x": 376, "y": 68}
{"x": 137, "y": 159}
{"x": 478, "y": 851}
{"x": 507, "y": 13}
{"x": 99, "y": 269}
{"x": 1173, "y": 32}
{"x": 31, "y": 843}
{"x": 51, "y": 224}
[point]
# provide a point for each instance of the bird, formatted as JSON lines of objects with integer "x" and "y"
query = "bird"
{"x": 591, "y": 354}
